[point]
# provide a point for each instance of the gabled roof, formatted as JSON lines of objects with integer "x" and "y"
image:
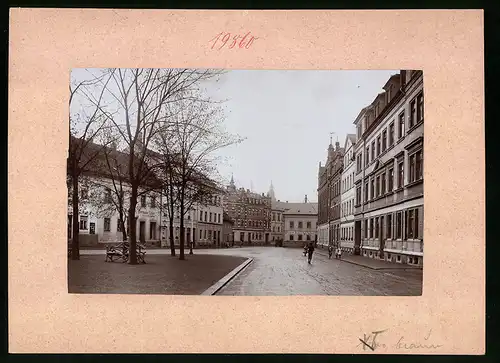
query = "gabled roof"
{"x": 298, "y": 208}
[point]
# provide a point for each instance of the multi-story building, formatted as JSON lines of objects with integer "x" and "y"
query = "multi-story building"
{"x": 329, "y": 191}
{"x": 99, "y": 218}
{"x": 251, "y": 213}
{"x": 300, "y": 222}
{"x": 389, "y": 172}
{"x": 347, "y": 197}
{"x": 227, "y": 228}
{"x": 203, "y": 223}
{"x": 277, "y": 231}
{"x": 335, "y": 180}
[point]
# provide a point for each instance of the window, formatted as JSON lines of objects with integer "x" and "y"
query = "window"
{"x": 373, "y": 151}
{"x": 153, "y": 202}
{"x": 85, "y": 193}
{"x": 107, "y": 197}
{"x": 274, "y": 216}
{"x": 399, "y": 225}
{"x": 300, "y": 224}
{"x": 143, "y": 201}
{"x": 391, "y": 134}
{"x": 118, "y": 226}
{"x": 291, "y": 224}
{"x": 107, "y": 224}
{"x": 358, "y": 129}
{"x": 308, "y": 237}
{"x": 366, "y": 228}
{"x": 308, "y": 224}
{"x": 419, "y": 164}
{"x": 384, "y": 140}
{"x": 400, "y": 174}
{"x": 210, "y": 217}
{"x": 291, "y": 237}
{"x": 366, "y": 192}
{"x": 390, "y": 180}
{"x": 201, "y": 216}
{"x": 299, "y": 237}
{"x": 206, "y": 216}
{"x": 377, "y": 186}
{"x": 420, "y": 107}
{"x": 371, "y": 227}
{"x": 377, "y": 227}
{"x": 382, "y": 184}
{"x": 378, "y": 146}
{"x": 412, "y": 224}
{"x": 401, "y": 124}
{"x": 367, "y": 155}
{"x": 413, "y": 113}
{"x": 209, "y": 234}
{"x": 83, "y": 222}
{"x": 372, "y": 188}
{"x": 279, "y": 217}
{"x": 218, "y": 217}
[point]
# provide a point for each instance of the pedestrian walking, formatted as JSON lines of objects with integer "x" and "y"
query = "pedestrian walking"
{"x": 338, "y": 253}
{"x": 330, "y": 251}
{"x": 310, "y": 250}
{"x": 305, "y": 250}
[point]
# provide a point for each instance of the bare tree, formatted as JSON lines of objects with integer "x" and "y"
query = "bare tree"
{"x": 84, "y": 128}
{"x": 194, "y": 133}
{"x": 141, "y": 98}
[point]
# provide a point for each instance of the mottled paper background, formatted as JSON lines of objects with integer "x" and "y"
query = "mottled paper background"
{"x": 46, "y": 43}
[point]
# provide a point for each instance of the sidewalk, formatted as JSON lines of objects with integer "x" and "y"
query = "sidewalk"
{"x": 371, "y": 263}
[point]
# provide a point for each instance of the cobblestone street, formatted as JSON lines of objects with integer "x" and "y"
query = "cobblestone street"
{"x": 285, "y": 271}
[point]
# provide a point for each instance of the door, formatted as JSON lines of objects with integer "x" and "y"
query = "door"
{"x": 267, "y": 238}
{"x": 357, "y": 237}
{"x": 92, "y": 228}
{"x": 152, "y": 230}
{"x": 142, "y": 231}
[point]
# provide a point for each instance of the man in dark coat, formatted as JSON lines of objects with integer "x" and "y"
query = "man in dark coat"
{"x": 310, "y": 250}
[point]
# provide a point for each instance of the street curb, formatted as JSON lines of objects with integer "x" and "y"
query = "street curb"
{"x": 378, "y": 268}
{"x": 212, "y": 290}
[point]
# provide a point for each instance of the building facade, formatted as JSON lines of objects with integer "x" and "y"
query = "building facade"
{"x": 329, "y": 192}
{"x": 203, "y": 224}
{"x": 335, "y": 181}
{"x": 277, "y": 230}
{"x": 251, "y": 213}
{"x": 300, "y": 222}
{"x": 389, "y": 172}
{"x": 347, "y": 198}
{"x": 227, "y": 228}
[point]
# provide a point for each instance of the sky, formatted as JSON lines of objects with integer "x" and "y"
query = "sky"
{"x": 286, "y": 118}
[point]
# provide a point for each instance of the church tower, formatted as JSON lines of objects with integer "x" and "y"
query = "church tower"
{"x": 270, "y": 193}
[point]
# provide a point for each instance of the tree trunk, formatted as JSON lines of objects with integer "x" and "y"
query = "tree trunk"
{"x": 75, "y": 245}
{"x": 133, "y": 227}
{"x": 181, "y": 245}
{"x": 124, "y": 230}
{"x": 171, "y": 234}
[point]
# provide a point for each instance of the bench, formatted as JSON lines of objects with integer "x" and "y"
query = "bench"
{"x": 120, "y": 252}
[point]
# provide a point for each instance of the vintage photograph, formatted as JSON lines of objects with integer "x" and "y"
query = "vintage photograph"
{"x": 245, "y": 182}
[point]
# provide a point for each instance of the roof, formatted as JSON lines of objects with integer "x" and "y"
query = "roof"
{"x": 352, "y": 137}
{"x": 298, "y": 208}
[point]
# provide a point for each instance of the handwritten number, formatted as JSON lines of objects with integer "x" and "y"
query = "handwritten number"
{"x": 235, "y": 39}
{"x": 223, "y": 38}
{"x": 250, "y": 42}
{"x": 216, "y": 39}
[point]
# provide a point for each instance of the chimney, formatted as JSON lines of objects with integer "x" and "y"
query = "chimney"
{"x": 305, "y": 199}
